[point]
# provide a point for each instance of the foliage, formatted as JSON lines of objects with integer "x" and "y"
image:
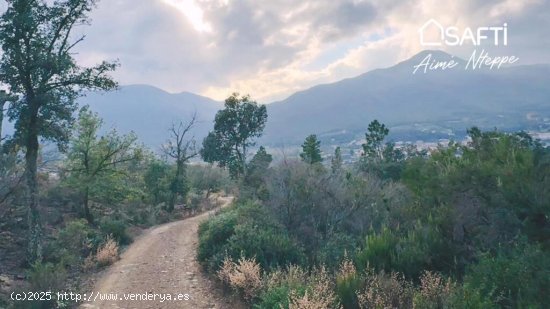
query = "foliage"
{"x": 38, "y": 67}
{"x": 107, "y": 253}
{"x": 157, "y": 181}
{"x": 72, "y": 243}
{"x": 213, "y": 236}
{"x": 46, "y": 277}
{"x": 254, "y": 179}
{"x": 246, "y": 231}
{"x": 181, "y": 150}
{"x": 516, "y": 277}
{"x": 94, "y": 162}
{"x": 336, "y": 161}
{"x": 235, "y": 127}
{"x": 348, "y": 283}
{"x": 320, "y": 294}
{"x": 208, "y": 178}
{"x": 243, "y": 276}
{"x": 385, "y": 291}
{"x": 116, "y": 229}
{"x": 373, "y": 148}
{"x": 311, "y": 151}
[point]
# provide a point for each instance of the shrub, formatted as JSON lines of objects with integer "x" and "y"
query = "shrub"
{"x": 378, "y": 251}
{"x": 116, "y": 229}
{"x": 333, "y": 251}
{"x": 44, "y": 278}
{"x": 385, "y": 291}
{"x": 435, "y": 292}
{"x": 421, "y": 248}
{"x": 243, "y": 276}
{"x": 213, "y": 236}
{"x": 515, "y": 278}
{"x": 71, "y": 244}
{"x": 272, "y": 247}
{"x": 279, "y": 286}
{"x": 107, "y": 254}
{"x": 246, "y": 230}
{"x": 319, "y": 295}
{"x": 348, "y": 284}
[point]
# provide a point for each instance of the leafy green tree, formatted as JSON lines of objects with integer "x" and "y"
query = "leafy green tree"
{"x": 337, "y": 161}
{"x": 157, "y": 181}
{"x": 207, "y": 178}
{"x": 37, "y": 65}
{"x": 257, "y": 170}
{"x": 311, "y": 150}
{"x": 92, "y": 161}
{"x": 236, "y": 126}
{"x": 373, "y": 148}
{"x": 181, "y": 150}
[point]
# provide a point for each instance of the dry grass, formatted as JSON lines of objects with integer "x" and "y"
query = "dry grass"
{"x": 435, "y": 291}
{"x": 383, "y": 291}
{"x": 107, "y": 254}
{"x": 243, "y": 276}
{"x": 321, "y": 296}
{"x": 89, "y": 263}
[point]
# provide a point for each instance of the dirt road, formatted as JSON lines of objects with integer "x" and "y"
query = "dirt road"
{"x": 161, "y": 261}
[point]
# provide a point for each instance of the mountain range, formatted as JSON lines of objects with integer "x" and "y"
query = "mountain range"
{"x": 436, "y": 105}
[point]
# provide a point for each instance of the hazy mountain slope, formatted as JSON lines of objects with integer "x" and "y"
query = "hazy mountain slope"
{"x": 149, "y": 111}
{"x": 498, "y": 98}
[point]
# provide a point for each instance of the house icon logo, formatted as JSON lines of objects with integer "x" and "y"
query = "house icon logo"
{"x": 432, "y": 33}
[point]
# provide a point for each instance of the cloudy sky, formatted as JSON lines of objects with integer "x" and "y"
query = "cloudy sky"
{"x": 272, "y": 48}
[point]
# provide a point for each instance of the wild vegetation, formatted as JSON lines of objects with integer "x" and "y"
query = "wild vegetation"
{"x": 70, "y": 210}
{"x": 463, "y": 226}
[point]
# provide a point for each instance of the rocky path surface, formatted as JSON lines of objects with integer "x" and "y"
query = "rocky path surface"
{"x": 162, "y": 262}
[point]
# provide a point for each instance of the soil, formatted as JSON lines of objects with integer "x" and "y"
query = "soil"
{"x": 162, "y": 261}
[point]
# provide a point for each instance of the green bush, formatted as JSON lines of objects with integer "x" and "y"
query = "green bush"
{"x": 513, "y": 278}
{"x": 45, "y": 278}
{"x": 347, "y": 287}
{"x": 334, "y": 250}
{"x": 271, "y": 247}
{"x": 72, "y": 244}
{"x": 246, "y": 230}
{"x": 117, "y": 229}
{"x": 275, "y": 297}
{"x": 379, "y": 251}
{"x": 422, "y": 248}
{"x": 280, "y": 285}
{"x": 213, "y": 236}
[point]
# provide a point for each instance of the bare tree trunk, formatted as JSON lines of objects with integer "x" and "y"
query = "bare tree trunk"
{"x": 87, "y": 212}
{"x": 1, "y": 121}
{"x": 34, "y": 249}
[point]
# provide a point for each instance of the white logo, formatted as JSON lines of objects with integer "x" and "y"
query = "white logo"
{"x": 432, "y": 33}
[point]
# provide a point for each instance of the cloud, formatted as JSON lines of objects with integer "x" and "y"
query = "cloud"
{"x": 271, "y": 49}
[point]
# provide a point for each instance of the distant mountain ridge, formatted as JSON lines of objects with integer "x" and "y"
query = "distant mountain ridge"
{"x": 150, "y": 111}
{"x": 438, "y": 104}
{"x": 450, "y": 99}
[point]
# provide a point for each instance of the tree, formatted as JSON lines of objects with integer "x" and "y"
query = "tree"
{"x": 181, "y": 150}
{"x": 236, "y": 126}
{"x": 37, "y": 64}
{"x": 91, "y": 159}
{"x": 4, "y": 98}
{"x": 257, "y": 170}
{"x": 311, "y": 151}
{"x": 336, "y": 162}
{"x": 157, "y": 181}
{"x": 373, "y": 148}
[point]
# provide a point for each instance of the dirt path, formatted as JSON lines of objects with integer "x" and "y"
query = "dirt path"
{"x": 161, "y": 261}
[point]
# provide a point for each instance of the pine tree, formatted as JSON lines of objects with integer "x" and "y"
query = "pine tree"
{"x": 311, "y": 150}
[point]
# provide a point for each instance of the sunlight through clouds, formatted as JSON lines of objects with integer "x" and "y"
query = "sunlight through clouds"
{"x": 192, "y": 12}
